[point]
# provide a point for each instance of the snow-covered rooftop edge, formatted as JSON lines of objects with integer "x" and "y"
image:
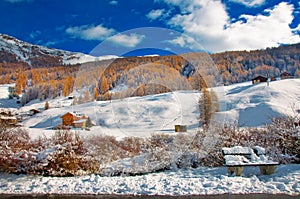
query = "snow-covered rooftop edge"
{"x": 200, "y": 181}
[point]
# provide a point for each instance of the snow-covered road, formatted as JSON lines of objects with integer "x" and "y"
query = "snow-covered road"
{"x": 203, "y": 181}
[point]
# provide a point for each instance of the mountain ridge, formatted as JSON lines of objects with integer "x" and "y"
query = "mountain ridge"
{"x": 15, "y": 50}
{"x": 40, "y": 72}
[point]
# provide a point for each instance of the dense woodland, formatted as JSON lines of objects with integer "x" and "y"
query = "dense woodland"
{"x": 46, "y": 76}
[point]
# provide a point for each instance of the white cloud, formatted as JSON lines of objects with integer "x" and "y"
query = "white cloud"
{"x": 50, "y": 43}
{"x": 250, "y": 3}
{"x": 131, "y": 40}
{"x": 35, "y": 34}
{"x": 155, "y": 14}
{"x": 114, "y": 2}
{"x": 208, "y": 22}
{"x": 186, "y": 42}
{"x": 90, "y": 32}
{"x": 101, "y": 33}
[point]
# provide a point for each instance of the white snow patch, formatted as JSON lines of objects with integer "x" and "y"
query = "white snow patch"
{"x": 244, "y": 103}
{"x": 201, "y": 181}
{"x": 4, "y": 90}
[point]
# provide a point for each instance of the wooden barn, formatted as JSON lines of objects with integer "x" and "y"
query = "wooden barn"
{"x": 259, "y": 79}
{"x": 285, "y": 75}
{"x": 8, "y": 120}
{"x": 33, "y": 111}
{"x": 75, "y": 119}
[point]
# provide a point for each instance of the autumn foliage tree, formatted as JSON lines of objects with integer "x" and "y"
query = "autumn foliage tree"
{"x": 47, "y": 106}
{"x": 104, "y": 85}
{"x": 206, "y": 107}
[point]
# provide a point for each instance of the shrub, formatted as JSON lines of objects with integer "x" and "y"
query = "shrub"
{"x": 68, "y": 156}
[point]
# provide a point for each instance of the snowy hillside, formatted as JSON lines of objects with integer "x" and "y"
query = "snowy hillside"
{"x": 24, "y": 51}
{"x": 4, "y": 91}
{"x": 255, "y": 105}
{"x": 142, "y": 116}
{"x": 247, "y": 104}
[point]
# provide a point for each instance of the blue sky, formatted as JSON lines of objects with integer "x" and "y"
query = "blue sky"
{"x": 135, "y": 27}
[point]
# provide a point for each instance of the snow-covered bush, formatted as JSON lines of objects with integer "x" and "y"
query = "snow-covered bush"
{"x": 280, "y": 139}
{"x": 67, "y": 156}
{"x": 104, "y": 148}
{"x": 131, "y": 145}
{"x": 62, "y": 155}
{"x": 283, "y": 139}
{"x": 14, "y": 148}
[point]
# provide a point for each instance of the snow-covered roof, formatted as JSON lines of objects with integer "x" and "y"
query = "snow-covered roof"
{"x": 79, "y": 121}
{"x": 8, "y": 118}
{"x": 76, "y": 114}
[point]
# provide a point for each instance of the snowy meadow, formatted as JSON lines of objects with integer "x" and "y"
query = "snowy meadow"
{"x": 149, "y": 157}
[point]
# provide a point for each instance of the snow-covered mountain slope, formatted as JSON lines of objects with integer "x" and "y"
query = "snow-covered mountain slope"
{"x": 247, "y": 104}
{"x": 22, "y": 51}
{"x": 255, "y": 105}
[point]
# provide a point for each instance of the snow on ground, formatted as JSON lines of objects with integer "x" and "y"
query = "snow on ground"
{"x": 247, "y": 104}
{"x": 250, "y": 105}
{"x": 4, "y": 91}
{"x": 136, "y": 116}
{"x": 255, "y": 105}
{"x": 80, "y": 58}
{"x": 5, "y": 102}
{"x": 203, "y": 181}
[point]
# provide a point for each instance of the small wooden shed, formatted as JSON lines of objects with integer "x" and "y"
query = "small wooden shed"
{"x": 8, "y": 120}
{"x": 69, "y": 118}
{"x": 285, "y": 75}
{"x": 259, "y": 79}
{"x": 33, "y": 111}
{"x": 180, "y": 128}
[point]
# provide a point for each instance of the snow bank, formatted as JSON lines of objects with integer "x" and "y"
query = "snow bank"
{"x": 285, "y": 180}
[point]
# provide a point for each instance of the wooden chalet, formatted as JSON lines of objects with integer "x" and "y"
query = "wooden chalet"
{"x": 33, "y": 111}
{"x": 259, "y": 79}
{"x": 285, "y": 75}
{"x": 8, "y": 120}
{"x": 74, "y": 119}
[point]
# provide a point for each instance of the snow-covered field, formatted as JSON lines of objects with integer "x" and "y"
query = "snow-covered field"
{"x": 244, "y": 103}
{"x": 201, "y": 181}
{"x": 249, "y": 105}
